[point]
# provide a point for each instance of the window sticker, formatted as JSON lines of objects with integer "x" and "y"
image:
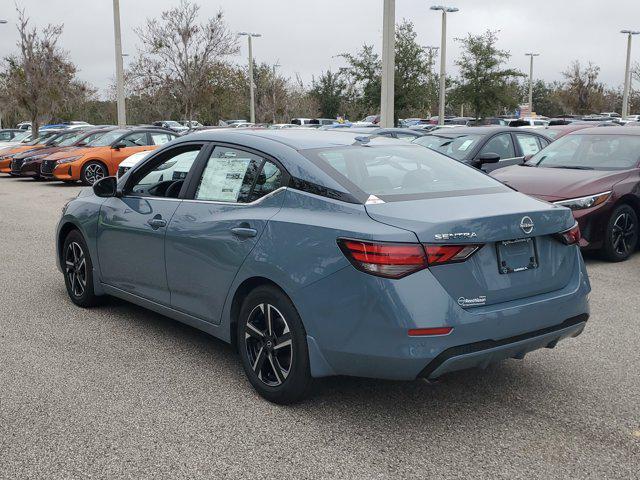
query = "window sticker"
{"x": 464, "y": 145}
{"x": 222, "y": 179}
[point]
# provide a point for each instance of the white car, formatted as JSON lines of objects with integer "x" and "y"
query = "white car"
{"x": 176, "y": 170}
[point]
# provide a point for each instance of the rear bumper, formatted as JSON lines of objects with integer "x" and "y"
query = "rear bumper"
{"x": 483, "y": 353}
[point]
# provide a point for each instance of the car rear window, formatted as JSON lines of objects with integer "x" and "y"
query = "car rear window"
{"x": 457, "y": 146}
{"x": 400, "y": 172}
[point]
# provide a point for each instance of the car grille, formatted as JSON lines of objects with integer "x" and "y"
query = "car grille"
{"x": 47, "y": 166}
{"x": 122, "y": 171}
{"x": 16, "y": 164}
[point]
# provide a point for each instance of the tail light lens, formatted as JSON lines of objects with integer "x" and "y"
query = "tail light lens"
{"x": 390, "y": 260}
{"x": 571, "y": 236}
{"x": 397, "y": 260}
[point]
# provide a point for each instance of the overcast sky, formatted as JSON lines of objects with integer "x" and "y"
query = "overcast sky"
{"x": 304, "y": 35}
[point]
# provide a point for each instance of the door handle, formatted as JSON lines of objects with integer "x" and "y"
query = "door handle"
{"x": 157, "y": 222}
{"x": 244, "y": 232}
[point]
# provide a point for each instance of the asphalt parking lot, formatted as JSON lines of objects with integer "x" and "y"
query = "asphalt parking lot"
{"x": 119, "y": 392}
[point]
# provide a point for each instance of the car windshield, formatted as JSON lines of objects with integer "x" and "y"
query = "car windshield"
{"x": 107, "y": 139}
{"x": 69, "y": 139}
{"x": 457, "y": 147}
{"x": 42, "y": 138}
{"x": 590, "y": 152}
{"x": 22, "y": 137}
{"x": 399, "y": 172}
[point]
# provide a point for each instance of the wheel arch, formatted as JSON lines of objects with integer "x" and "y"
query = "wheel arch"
{"x": 241, "y": 292}
{"x": 101, "y": 161}
{"x": 631, "y": 200}
{"x": 64, "y": 230}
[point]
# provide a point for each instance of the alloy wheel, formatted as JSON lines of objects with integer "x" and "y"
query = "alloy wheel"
{"x": 93, "y": 173}
{"x": 76, "y": 269}
{"x": 268, "y": 344}
{"x": 623, "y": 234}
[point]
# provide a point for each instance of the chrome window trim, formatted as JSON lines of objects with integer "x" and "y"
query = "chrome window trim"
{"x": 192, "y": 200}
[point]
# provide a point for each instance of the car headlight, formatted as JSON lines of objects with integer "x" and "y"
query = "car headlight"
{"x": 585, "y": 202}
{"x": 68, "y": 160}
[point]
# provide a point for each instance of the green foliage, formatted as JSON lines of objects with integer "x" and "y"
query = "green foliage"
{"x": 484, "y": 84}
{"x": 328, "y": 91}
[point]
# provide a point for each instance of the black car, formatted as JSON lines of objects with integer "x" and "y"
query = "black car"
{"x": 487, "y": 148}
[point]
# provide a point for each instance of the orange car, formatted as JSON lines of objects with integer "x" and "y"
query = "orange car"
{"x": 40, "y": 142}
{"x": 101, "y": 157}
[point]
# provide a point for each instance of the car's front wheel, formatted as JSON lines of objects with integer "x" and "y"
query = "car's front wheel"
{"x": 273, "y": 346}
{"x": 622, "y": 234}
{"x": 92, "y": 172}
{"x": 78, "y": 270}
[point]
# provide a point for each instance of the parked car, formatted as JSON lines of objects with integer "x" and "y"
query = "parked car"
{"x": 171, "y": 125}
{"x": 318, "y": 254}
{"x": 23, "y": 137}
{"x": 24, "y": 126}
{"x": 6, "y": 154}
{"x": 596, "y": 173}
{"x": 536, "y": 122}
{"x": 8, "y": 134}
{"x": 400, "y": 133}
{"x": 101, "y": 157}
{"x": 191, "y": 124}
{"x": 176, "y": 170}
{"x": 29, "y": 163}
{"x": 487, "y": 148}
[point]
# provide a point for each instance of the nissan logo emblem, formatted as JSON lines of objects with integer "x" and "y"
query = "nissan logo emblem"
{"x": 526, "y": 224}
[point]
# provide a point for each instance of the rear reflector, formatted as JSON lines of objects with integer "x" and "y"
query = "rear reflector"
{"x": 421, "y": 332}
{"x": 390, "y": 260}
{"x": 571, "y": 236}
{"x": 441, "y": 254}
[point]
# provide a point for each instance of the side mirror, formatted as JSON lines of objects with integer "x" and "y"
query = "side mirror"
{"x": 487, "y": 158}
{"x": 118, "y": 146}
{"x": 106, "y": 187}
{"x": 526, "y": 158}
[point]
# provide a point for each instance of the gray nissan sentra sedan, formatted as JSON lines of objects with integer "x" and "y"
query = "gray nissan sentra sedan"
{"x": 323, "y": 253}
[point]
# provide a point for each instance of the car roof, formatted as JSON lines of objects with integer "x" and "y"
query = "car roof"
{"x": 298, "y": 139}
{"x": 483, "y": 130}
{"x": 622, "y": 130}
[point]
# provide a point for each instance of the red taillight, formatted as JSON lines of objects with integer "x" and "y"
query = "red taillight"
{"x": 397, "y": 260}
{"x": 441, "y": 254}
{"x": 571, "y": 236}
{"x": 422, "y": 332}
{"x": 390, "y": 260}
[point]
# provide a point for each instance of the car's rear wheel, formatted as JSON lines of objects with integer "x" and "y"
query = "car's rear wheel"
{"x": 78, "y": 270}
{"x": 273, "y": 346}
{"x": 92, "y": 172}
{"x": 622, "y": 234}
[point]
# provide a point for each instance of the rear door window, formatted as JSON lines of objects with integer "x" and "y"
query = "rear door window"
{"x": 528, "y": 143}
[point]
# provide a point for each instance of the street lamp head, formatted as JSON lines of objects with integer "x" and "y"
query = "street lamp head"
{"x": 630, "y": 32}
{"x": 532, "y": 54}
{"x": 3, "y": 22}
{"x": 444, "y": 8}
{"x": 249, "y": 34}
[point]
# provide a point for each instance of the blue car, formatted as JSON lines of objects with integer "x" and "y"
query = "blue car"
{"x": 321, "y": 253}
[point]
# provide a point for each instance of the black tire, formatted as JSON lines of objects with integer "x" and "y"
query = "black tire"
{"x": 92, "y": 172}
{"x": 78, "y": 270}
{"x": 621, "y": 235}
{"x": 261, "y": 349}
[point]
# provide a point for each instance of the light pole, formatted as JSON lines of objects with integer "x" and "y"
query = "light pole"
{"x": 627, "y": 73}
{"x": 2, "y": 22}
{"x": 275, "y": 84}
{"x": 531, "y": 55}
{"x": 252, "y": 107}
{"x": 122, "y": 116}
{"x": 387, "y": 93}
{"x": 443, "y": 57}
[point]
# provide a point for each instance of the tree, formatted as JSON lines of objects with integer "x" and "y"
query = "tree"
{"x": 362, "y": 75}
{"x": 40, "y": 79}
{"x": 182, "y": 57}
{"x": 328, "y": 90}
{"x": 483, "y": 82}
{"x": 582, "y": 93}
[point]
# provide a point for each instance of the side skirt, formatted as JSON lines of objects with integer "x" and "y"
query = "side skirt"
{"x": 210, "y": 328}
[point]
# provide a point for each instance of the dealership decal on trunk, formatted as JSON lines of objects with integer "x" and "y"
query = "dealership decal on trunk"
{"x": 472, "y": 302}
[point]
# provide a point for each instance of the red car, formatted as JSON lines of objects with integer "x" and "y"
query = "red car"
{"x": 596, "y": 173}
